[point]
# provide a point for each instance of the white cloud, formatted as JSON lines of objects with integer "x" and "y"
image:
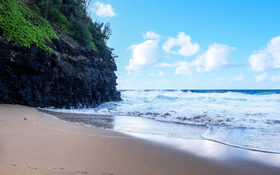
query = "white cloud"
{"x": 184, "y": 68}
{"x": 144, "y": 54}
{"x": 168, "y": 64}
{"x": 275, "y": 78}
{"x": 148, "y": 53}
{"x": 261, "y": 77}
{"x": 187, "y": 48}
{"x": 265, "y": 76}
{"x": 267, "y": 58}
{"x": 160, "y": 73}
{"x": 259, "y": 62}
{"x": 215, "y": 57}
{"x": 151, "y": 35}
{"x": 239, "y": 77}
{"x": 103, "y": 10}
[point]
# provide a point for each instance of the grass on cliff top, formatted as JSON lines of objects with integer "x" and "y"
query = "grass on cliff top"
{"x": 23, "y": 25}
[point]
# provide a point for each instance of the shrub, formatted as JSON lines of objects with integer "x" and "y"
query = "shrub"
{"x": 24, "y": 26}
{"x": 80, "y": 31}
{"x": 59, "y": 20}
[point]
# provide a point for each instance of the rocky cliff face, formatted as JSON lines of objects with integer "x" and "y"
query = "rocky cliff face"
{"x": 74, "y": 77}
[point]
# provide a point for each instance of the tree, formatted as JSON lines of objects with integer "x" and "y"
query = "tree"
{"x": 87, "y": 3}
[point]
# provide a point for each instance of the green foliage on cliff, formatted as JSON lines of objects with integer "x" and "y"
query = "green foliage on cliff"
{"x": 33, "y": 23}
{"x": 21, "y": 24}
{"x": 60, "y": 21}
{"x": 71, "y": 17}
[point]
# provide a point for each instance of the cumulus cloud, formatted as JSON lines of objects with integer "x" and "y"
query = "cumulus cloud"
{"x": 144, "y": 54}
{"x": 215, "y": 57}
{"x": 151, "y": 35}
{"x": 261, "y": 77}
{"x": 186, "y": 47}
{"x": 148, "y": 53}
{"x": 103, "y": 10}
{"x": 267, "y": 58}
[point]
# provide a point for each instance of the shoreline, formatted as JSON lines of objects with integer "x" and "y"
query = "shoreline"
{"x": 88, "y": 120}
{"x": 44, "y": 145}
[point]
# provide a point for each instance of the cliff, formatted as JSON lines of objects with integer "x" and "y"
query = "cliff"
{"x": 69, "y": 76}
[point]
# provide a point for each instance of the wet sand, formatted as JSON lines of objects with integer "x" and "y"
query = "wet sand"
{"x": 32, "y": 143}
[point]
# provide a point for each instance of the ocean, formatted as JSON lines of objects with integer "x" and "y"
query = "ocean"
{"x": 247, "y": 119}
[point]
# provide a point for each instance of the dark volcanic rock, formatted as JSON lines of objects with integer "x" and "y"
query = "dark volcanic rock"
{"x": 74, "y": 77}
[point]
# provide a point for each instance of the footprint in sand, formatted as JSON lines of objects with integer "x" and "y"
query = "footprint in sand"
{"x": 32, "y": 168}
{"x": 82, "y": 172}
{"x": 59, "y": 168}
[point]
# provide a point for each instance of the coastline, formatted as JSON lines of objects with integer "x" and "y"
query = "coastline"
{"x": 134, "y": 126}
{"x": 44, "y": 145}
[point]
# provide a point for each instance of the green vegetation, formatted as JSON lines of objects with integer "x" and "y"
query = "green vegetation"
{"x": 60, "y": 21}
{"x": 23, "y": 25}
{"x": 71, "y": 17}
{"x": 32, "y": 23}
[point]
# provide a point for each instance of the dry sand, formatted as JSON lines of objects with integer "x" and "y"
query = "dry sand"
{"x": 47, "y": 146}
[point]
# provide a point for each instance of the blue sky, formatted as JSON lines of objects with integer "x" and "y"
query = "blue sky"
{"x": 194, "y": 44}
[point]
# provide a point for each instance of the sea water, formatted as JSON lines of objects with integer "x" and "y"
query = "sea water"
{"x": 245, "y": 118}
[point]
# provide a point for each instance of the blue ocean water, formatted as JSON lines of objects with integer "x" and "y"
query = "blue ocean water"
{"x": 243, "y": 118}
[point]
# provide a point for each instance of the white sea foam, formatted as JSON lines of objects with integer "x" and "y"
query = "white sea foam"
{"x": 224, "y": 113}
{"x": 227, "y": 109}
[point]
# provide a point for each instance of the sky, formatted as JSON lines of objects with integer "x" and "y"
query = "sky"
{"x": 193, "y": 44}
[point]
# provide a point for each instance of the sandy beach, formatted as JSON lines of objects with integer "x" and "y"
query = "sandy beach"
{"x": 32, "y": 143}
